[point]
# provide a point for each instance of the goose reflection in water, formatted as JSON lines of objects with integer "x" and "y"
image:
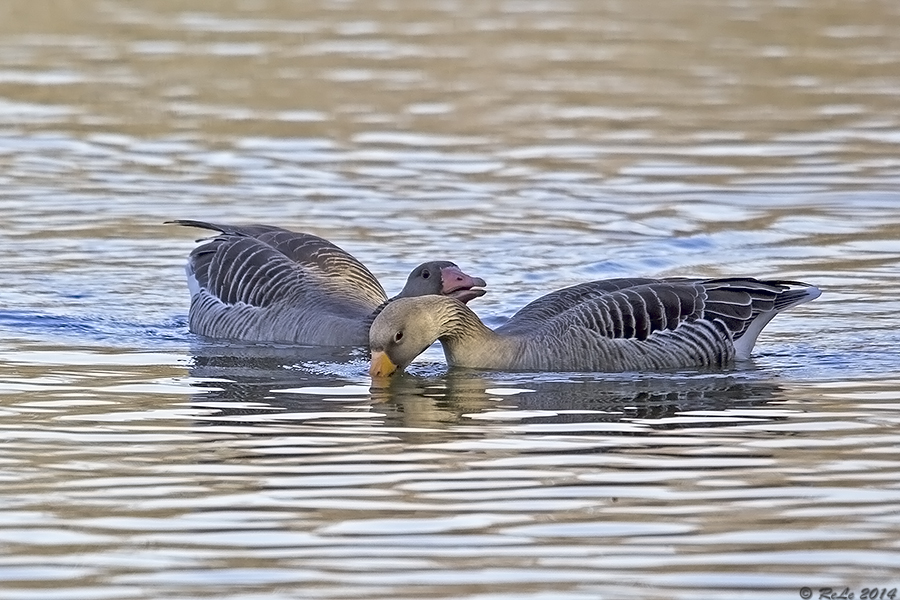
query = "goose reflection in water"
{"x": 270, "y": 385}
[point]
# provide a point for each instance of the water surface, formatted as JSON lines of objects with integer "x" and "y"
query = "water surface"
{"x": 535, "y": 144}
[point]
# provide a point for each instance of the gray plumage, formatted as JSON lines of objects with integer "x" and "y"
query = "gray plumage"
{"x": 262, "y": 283}
{"x": 613, "y": 325}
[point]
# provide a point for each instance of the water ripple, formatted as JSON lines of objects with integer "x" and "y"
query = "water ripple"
{"x": 538, "y": 145}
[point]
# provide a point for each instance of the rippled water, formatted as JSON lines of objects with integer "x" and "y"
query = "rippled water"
{"x": 537, "y": 144}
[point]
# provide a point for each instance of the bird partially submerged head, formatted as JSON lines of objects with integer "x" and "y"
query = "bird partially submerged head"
{"x": 404, "y": 330}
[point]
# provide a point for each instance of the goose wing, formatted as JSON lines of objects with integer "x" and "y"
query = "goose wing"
{"x": 261, "y": 265}
{"x": 636, "y": 308}
{"x": 251, "y": 230}
{"x": 538, "y": 313}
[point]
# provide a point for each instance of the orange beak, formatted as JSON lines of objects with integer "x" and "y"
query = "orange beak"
{"x": 381, "y": 365}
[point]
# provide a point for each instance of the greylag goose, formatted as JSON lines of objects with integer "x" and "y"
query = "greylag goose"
{"x": 612, "y": 325}
{"x": 261, "y": 283}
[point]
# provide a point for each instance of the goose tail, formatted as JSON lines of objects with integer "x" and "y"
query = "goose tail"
{"x": 795, "y": 293}
{"x": 250, "y": 230}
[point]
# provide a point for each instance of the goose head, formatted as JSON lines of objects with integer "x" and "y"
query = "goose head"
{"x": 404, "y": 330}
{"x": 442, "y": 277}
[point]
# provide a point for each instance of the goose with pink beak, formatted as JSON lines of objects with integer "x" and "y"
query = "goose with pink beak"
{"x": 262, "y": 283}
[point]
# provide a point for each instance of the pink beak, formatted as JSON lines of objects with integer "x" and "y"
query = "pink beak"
{"x": 457, "y": 284}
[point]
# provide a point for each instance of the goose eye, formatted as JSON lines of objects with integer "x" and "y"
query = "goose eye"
{"x": 398, "y": 336}
{"x": 426, "y": 274}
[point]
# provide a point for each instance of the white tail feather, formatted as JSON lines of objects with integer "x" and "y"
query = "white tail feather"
{"x": 193, "y": 284}
{"x": 743, "y": 346}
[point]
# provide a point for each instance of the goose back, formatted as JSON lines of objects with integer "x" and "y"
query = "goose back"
{"x": 629, "y": 324}
{"x": 264, "y": 264}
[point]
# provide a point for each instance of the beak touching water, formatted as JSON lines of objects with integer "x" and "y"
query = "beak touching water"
{"x": 381, "y": 365}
